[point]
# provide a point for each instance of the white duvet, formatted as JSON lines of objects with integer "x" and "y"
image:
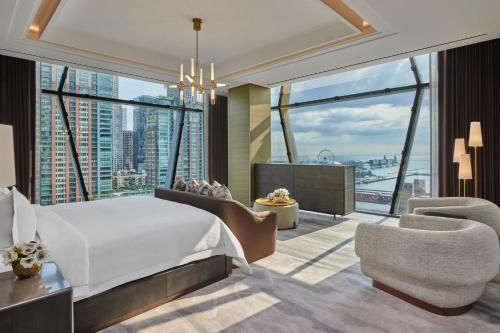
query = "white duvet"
{"x": 101, "y": 244}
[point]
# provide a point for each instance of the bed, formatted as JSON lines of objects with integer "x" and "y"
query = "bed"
{"x": 111, "y": 251}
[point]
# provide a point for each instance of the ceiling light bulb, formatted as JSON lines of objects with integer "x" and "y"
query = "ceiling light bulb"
{"x": 34, "y": 28}
{"x": 192, "y": 67}
{"x": 201, "y": 75}
{"x": 181, "y": 77}
{"x": 212, "y": 74}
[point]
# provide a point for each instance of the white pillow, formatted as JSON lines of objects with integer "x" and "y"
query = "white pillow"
{"x": 6, "y": 217}
{"x": 221, "y": 191}
{"x": 24, "y": 223}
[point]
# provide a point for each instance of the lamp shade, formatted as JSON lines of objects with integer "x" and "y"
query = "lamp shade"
{"x": 459, "y": 149}
{"x": 475, "y": 135}
{"x": 465, "y": 168}
{"x": 7, "y": 165}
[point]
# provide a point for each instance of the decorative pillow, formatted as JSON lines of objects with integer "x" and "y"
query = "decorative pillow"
{"x": 179, "y": 184}
{"x": 6, "y": 218}
{"x": 221, "y": 191}
{"x": 24, "y": 223}
{"x": 192, "y": 186}
{"x": 205, "y": 188}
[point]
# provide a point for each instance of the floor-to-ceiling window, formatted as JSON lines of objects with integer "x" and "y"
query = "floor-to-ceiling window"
{"x": 122, "y": 149}
{"x": 375, "y": 118}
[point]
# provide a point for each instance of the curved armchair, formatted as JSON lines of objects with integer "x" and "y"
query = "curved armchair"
{"x": 476, "y": 209}
{"x": 256, "y": 232}
{"x": 437, "y": 263}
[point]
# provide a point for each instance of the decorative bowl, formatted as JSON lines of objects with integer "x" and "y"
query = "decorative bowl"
{"x": 24, "y": 273}
{"x": 281, "y": 199}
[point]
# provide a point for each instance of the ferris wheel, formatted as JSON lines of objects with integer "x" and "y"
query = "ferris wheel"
{"x": 326, "y": 156}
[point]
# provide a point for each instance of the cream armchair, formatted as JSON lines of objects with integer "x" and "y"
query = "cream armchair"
{"x": 476, "y": 209}
{"x": 440, "y": 264}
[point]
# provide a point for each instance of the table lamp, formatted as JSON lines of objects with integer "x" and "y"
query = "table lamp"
{"x": 458, "y": 151}
{"x": 475, "y": 140}
{"x": 464, "y": 170}
{"x": 7, "y": 163}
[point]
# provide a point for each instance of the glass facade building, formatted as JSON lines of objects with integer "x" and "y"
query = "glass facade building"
{"x": 122, "y": 150}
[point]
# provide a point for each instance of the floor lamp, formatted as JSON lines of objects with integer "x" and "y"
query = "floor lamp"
{"x": 475, "y": 140}
{"x": 464, "y": 170}
{"x": 7, "y": 163}
{"x": 458, "y": 151}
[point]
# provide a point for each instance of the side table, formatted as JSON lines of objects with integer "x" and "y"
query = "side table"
{"x": 43, "y": 303}
{"x": 287, "y": 212}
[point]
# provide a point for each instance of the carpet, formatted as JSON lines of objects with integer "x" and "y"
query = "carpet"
{"x": 312, "y": 283}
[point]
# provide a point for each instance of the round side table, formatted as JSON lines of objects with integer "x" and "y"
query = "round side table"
{"x": 287, "y": 212}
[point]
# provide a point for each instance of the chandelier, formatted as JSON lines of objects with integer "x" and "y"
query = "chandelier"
{"x": 195, "y": 78}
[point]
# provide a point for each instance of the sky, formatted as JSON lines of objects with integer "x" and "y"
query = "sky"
{"x": 371, "y": 127}
{"x": 130, "y": 88}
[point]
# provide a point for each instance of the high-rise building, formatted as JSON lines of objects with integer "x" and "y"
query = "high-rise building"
{"x": 191, "y": 154}
{"x": 92, "y": 126}
{"x": 139, "y": 115}
{"x": 157, "y": 146}
{"x": 118, "y": 115}
{"x": 128, "y": 150}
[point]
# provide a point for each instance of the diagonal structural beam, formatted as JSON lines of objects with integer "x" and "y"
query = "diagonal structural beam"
{"x": 351, "y": 97}
{"x": 286, "y": 124}
{"x": 118, "y": 100}
{"x": 410, "y": 136}
{"x": 174, "y": 148}
{"x": 69, "y": 137}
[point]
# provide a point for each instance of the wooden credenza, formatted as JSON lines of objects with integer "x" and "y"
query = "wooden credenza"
{"x": 320, "y": 188}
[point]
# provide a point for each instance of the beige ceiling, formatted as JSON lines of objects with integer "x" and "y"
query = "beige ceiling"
{"x": 160, "y": 31}
{"x": 236, "y": 34}
{"x": 267, "y": 42}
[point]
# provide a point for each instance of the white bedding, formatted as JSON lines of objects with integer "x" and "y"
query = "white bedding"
{"x": 101, "y": 244}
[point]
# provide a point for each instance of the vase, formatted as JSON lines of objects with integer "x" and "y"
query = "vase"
{"x": 24, "y": 273}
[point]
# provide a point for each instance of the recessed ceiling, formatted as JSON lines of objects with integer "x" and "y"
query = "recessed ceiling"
{"x": 160, "y": 31}
{"x": 266, "y": 42}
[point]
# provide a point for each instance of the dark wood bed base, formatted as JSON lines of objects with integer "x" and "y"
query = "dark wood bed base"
{"x": 130, "y": 299}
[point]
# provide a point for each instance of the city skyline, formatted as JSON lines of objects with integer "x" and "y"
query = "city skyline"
{"x": 104, "y": 151}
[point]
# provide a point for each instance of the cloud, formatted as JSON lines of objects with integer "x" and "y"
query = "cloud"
{"x": 377, "y": 129}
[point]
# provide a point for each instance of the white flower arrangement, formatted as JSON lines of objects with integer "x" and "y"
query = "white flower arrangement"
{"x": 281, "y": 193}
{"x": 26, "y": 254}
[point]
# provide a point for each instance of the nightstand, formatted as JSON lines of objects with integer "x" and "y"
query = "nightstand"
{"x": 42, "y": 303}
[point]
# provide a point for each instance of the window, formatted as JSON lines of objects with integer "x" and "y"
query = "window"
{"x": 122, "y": 149}
{"x": 352, "y": 118}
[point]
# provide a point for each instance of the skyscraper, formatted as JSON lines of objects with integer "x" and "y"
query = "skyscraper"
{"x": 91, "y": 123}
{"x": 157, "y": 146}
{"x": 140, "y": 113}
{"x": 128, "y": 150}
{"x": 118, "y": 115}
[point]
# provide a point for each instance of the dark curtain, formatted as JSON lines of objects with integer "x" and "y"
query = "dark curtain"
{"x": 217, "y": 140}
{"x": 17, "y": 108}
{"x": 469, "y": 90}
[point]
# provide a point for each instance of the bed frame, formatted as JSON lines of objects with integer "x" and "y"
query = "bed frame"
{"x": 128, "y": 300}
